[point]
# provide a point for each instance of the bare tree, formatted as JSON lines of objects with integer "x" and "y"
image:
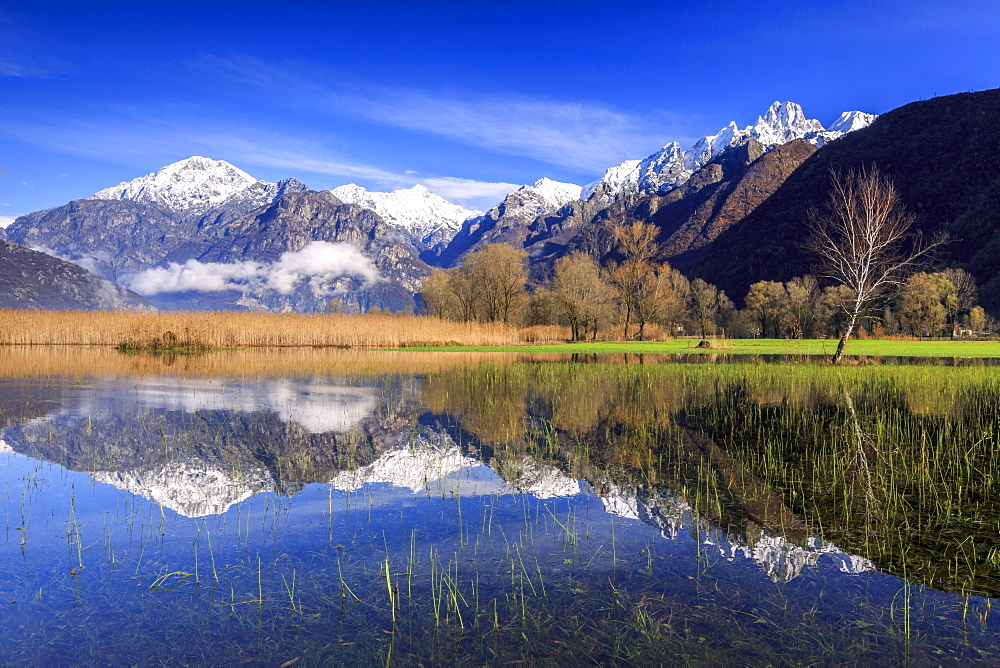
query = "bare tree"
{"x": 863, "y": 239}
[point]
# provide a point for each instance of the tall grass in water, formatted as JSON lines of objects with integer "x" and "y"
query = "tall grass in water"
{"x": 897, "y": 464}
{"x": 219, "y": 329}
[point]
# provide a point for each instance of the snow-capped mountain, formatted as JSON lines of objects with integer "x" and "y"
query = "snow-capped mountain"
{"x": 193, "y": 184}
{"x": 428, "y": 217}
{"x": 542, "y": 197}
{"x": 671, "y": 166}
{"x": 849, "y": 121}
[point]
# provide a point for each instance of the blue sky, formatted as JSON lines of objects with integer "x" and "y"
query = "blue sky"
{"x": 469, "y": 98}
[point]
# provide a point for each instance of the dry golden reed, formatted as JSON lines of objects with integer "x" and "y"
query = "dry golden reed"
{"x": 105, "y": 361}
{"x": 220, "y": 329}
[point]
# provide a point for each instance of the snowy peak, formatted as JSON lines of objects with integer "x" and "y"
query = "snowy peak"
{"x": 782, "y": 123}
{"x": 196, "y": 183}
{"x": 849, "y": 121}
{"x": 416, "y": 210}
{"x": 669, "y": 167}
{"x": 546, "y": 195}
{"x": 662, "y": 171}
{"x": 543, "y": 197}
{"x": 615, "y": 178}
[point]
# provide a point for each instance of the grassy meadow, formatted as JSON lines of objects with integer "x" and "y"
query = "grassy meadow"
{"x": 807, "y": 347}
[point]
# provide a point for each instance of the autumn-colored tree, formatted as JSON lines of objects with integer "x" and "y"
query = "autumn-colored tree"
{"x": 704, "y": 305}
{"x": 489, "y": 286}
{"x": 977, "y": 320}
{"x": 833, "y": 307}
{"x": 582, "y": 297}
{"x": 493, "y": 281}
{"x": 921, "y": 307}
{"x": 766, "y": 300}
{"x": 801, "y": 295}
{"x": 966, "y": 294}
{"x": 439, "y": 297}
{"x": 635, "y": 278}
{"x": 657, "y": 300}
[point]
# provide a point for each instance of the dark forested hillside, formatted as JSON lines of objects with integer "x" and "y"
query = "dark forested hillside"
{"x": 942, "y": 155}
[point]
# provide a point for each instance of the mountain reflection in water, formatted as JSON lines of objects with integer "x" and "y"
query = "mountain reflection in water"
{"x": 214, "y": 421}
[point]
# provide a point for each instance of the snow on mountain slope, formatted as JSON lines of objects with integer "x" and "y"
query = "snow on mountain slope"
{"x": 781, "y": 559}
{"x": 542, "y": 197}
{"x": 190, "y": 489}
{"x": 195, "y": 183}
{"x": 670, "y": 166}
{"x": 420, "y": 212}
{"x": 413, "y": 466}
{"x": 850, "y": 121}
{"x": 616, "y": 178}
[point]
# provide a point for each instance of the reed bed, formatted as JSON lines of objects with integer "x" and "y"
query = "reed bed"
{"x": 221, "y": 329}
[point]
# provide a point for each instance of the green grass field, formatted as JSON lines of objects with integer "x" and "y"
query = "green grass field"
{"x": 819, "y": 347}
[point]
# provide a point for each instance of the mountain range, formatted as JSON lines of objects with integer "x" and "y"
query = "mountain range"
{"x": 730, "y": 208}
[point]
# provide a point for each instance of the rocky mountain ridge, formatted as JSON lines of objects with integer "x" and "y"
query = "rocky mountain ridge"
{"x": 634, "y": 189}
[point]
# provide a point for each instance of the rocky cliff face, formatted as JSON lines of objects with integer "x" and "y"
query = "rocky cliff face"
{"x": 30, "y": 279}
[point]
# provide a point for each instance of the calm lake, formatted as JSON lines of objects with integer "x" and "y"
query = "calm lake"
{"x": 311, "y": 507}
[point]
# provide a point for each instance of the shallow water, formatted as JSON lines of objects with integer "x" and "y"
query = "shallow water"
{"x": 398, "y": 509}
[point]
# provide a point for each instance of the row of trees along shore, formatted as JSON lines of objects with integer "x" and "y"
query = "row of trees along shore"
{"x": 640, "y": 298}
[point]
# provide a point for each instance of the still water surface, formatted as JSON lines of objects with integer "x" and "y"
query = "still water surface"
{"x": 330, "y": 508}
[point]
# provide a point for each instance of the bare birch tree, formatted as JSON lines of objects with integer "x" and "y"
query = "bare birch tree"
{"x": 863, "y": 239}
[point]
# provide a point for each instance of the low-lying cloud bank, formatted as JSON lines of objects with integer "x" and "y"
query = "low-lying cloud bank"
{"x": 317, "y": 265}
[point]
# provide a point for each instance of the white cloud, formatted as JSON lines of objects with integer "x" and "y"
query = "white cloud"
{"x": 88, "y": 262}
{"x": 316, "y": 265}
{"x": 5, "y": 221}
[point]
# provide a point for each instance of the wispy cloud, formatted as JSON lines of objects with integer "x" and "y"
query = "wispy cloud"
{"x": 582, "y": 135}
{"x": 9, "y": 69}
{"x": 24, "y": 70}
{"x": 145, "y": 142}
